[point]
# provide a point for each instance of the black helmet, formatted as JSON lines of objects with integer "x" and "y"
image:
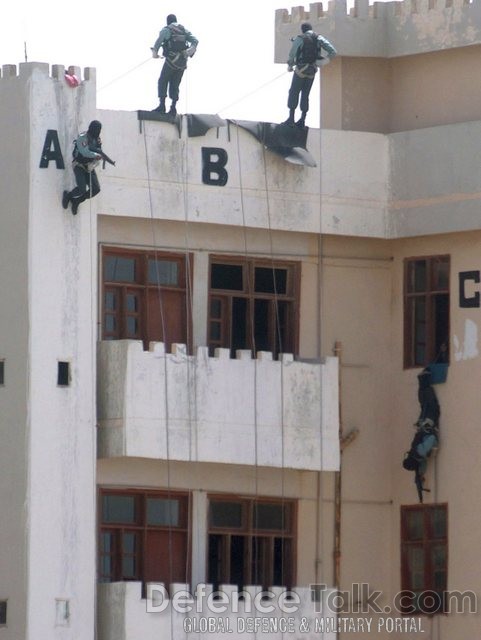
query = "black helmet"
{"x": 94, "y": 129}
{"x": 306, "y": 26}
{"x": 171, "y": 18}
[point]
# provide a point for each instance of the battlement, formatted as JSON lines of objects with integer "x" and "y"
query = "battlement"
{"x": 385, "y": 29}
{"x": 58, "y": 71}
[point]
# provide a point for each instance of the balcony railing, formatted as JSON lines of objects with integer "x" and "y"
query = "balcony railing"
{"x": 124, "y": 614}
{"x": 275, "y": 413}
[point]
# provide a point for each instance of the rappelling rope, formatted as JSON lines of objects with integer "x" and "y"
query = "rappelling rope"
{"x": 280, "y": 355}
{"x": 191, "y": 359}
{"x": 253, "y": 92}
{"x": 166, "y": 388}
{"x": 123, "y": 75}
{"x": 320, "y": 548}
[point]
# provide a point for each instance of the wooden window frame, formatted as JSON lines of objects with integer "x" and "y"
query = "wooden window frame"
{"x": 429, "y": 295}
{"x": 249, "y": 532}
{"x": 225, "y": 298}
{"x": 426, "y": 543}
{"x": 141, "y": 528}
{"x": 141, "y": 288}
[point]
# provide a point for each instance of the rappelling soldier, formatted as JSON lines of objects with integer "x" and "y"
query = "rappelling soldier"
{"x": 178, "y": 45}
{"x": 426, "y": 437}
{"x": 308, "y": 51}
{"x": 87, "y": 153}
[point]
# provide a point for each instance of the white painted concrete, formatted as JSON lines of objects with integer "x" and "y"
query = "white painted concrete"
{"x": 123, "y": 615}
{"x": 159, "y": 176}
{"x": 49, "y": 271}
{"x": 200, "y": 409}
{"x": 384, "y": 29}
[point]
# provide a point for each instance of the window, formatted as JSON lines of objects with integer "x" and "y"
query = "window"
{"x": 3, "y": 613}
{"x": 63, "y": 374}
{"x": 145, "y": 296}
{"x": 253, "y": 305}
{"x": 251, "y": 542}
{"x": 143, "y": 536}
{"x": 426, "y": 310}
{"x": 424, "y": 547}
{"x": 62, "y": 612}
{"x": 2, "y": 373}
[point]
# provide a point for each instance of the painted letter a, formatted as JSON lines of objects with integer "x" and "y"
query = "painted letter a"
{"x": 49, "y": 153}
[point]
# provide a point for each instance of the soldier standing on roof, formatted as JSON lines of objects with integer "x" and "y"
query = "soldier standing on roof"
{"x": 307, "y": 51}
{"x": 178, "y": 44}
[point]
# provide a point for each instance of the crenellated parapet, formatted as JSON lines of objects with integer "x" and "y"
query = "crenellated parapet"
{"x": 26, "y": 70}
{"x": 384, "y": 29}
{"x": 159, "y": 405}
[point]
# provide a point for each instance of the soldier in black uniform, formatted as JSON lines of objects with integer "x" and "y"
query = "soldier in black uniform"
{"x": 177, "y": 44}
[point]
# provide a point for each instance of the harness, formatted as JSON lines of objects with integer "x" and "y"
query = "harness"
{"x": 306, "y": 56}
{"x": 306, "y": 71}
{"x": 174, "y": 47}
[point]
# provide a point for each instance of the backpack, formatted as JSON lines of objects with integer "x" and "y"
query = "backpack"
{"x": 178, "y": 39}
{"x": 309, "y": 52}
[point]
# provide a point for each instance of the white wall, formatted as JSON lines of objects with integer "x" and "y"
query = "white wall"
{"x": 195, "y": 408}
{"x": 62, "y": 419}
{"x": 159, "y": 175}
{"x": 48, "y": 550}
{"x": 14, "y": 117}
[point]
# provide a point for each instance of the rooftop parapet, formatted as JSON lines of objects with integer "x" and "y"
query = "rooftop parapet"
{"x": 58, "y": 71}
{"x": 159, "y": 405}
{"x": 384, "y": 29}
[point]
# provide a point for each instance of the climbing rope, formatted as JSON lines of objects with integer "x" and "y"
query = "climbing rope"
{"x": 123, "y": 75}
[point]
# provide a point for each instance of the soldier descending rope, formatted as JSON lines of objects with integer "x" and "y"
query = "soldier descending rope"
{"x": 87, "y": 153}
{"x": 427, "y": 432}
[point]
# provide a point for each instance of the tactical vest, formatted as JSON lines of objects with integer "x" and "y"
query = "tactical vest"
{"x": 177, "y": 41}
{"x": 308, "y": 53}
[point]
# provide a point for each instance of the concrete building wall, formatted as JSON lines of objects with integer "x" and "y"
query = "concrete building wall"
{"x": 383, "y": 198}
{"x": 232, "y": 480}
{"x": 62, "y": 419}
{"x": 401, "y": 94}
{"x": 379, "y": 397}
{"x": 14, "y": 352}
{"x": 160, "y": 177}
{"x": 49, "y": 456}
{"x": 357, "y": 293}
{"x": 400, "y": 66}
{"x": 205, "y": 240}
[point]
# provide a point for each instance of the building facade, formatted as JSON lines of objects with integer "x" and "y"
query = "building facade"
{"x": 183, "y": 362}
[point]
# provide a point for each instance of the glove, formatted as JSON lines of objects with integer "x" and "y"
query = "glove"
{"x": 190, "y": 51}
{"x": 154, "y": 53}
{"x": 290, "y": 67}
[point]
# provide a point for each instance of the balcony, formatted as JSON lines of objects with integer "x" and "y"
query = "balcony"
{"x": 274, "y": 413}
{"x": 123, "y": 614}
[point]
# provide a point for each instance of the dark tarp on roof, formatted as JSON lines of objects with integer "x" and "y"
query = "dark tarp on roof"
{"x": 160, "y": 117}
{"x": 199, "y": 123}
{"x": 284, "y": 140}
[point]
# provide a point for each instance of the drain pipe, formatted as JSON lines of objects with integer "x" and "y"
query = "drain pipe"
{"x": 343, "y": 442}
{"x": 338, "y": 483}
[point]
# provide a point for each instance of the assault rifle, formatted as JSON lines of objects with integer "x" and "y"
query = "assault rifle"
{"x": 105, "y": 158}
